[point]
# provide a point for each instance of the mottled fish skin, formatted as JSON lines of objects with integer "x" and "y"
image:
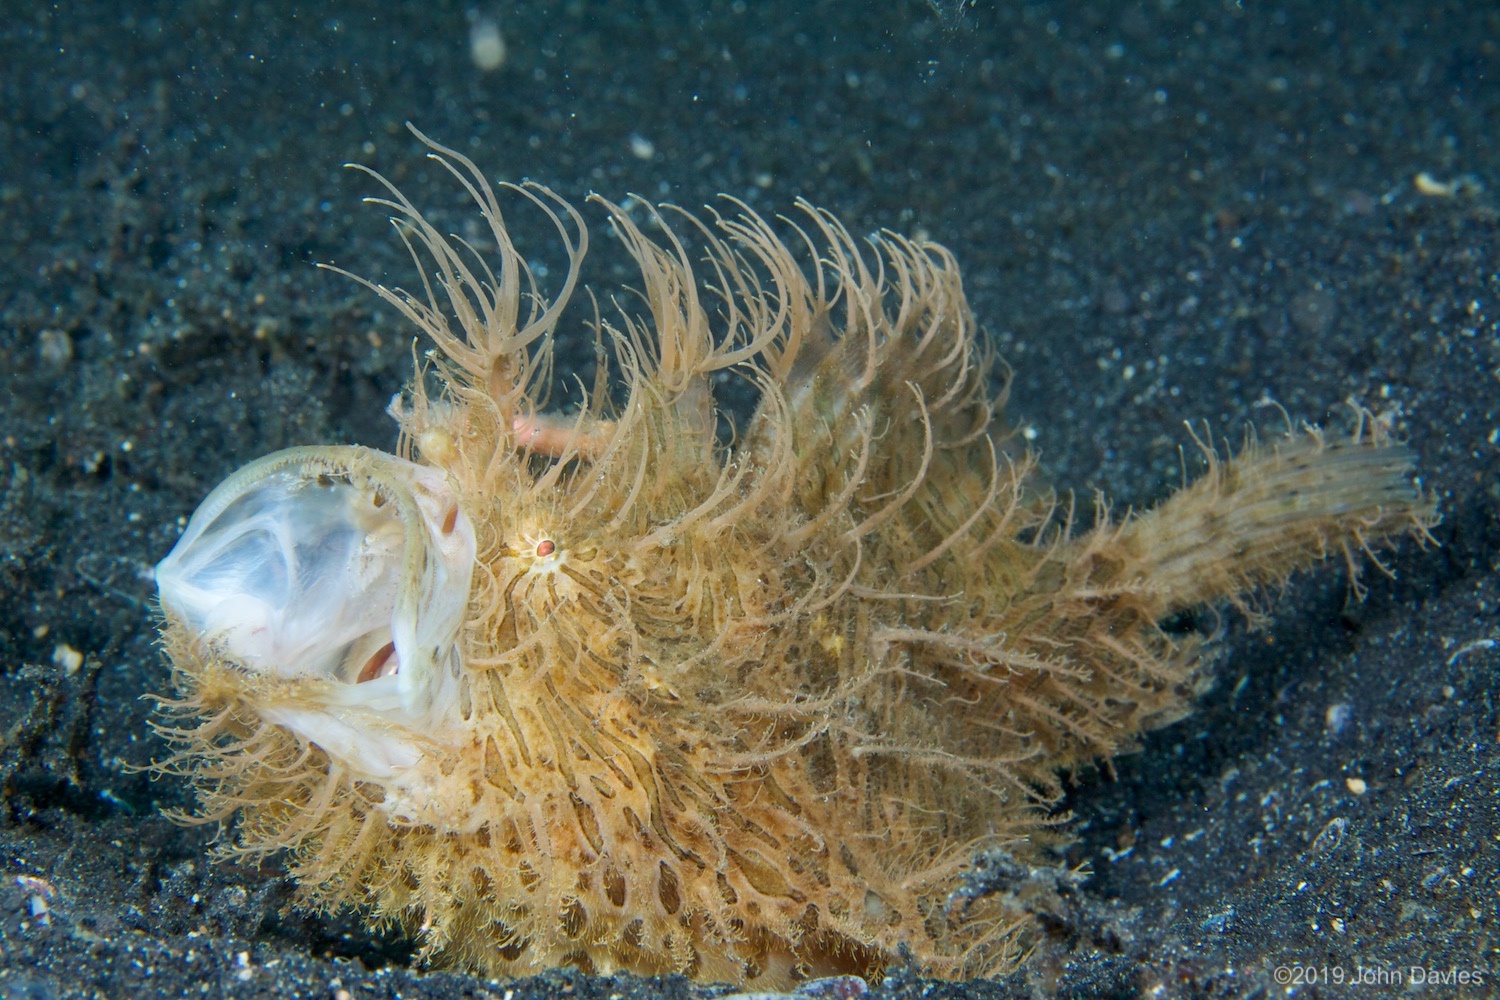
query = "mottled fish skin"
{"x": 599, "y": 689}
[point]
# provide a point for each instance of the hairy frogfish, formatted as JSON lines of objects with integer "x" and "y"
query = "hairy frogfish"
{"x": 627, "y": 687}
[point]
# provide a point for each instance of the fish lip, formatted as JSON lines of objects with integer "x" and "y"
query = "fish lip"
{"x": 398, "y": 554}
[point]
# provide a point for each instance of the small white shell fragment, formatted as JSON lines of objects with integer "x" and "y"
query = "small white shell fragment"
{"x": 487, "y": 45}
{"x": 1431, "y": 187}
{"x": 641, "y": 147}
{"x": 65, "y": 656}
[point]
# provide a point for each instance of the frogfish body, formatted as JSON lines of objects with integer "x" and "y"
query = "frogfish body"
{"x": 600, "y": 689}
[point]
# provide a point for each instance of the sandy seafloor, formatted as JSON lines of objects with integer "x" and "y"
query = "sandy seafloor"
{"x": 1166, "y": 211}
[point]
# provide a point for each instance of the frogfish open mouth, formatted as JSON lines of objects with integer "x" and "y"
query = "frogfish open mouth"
{"x": 600, "y": 688}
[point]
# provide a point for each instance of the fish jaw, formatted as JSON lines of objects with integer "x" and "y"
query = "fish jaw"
{"x": 334, "y": 581}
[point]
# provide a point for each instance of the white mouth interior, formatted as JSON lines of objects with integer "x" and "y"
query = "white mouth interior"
{"x": 339, "y": 564}
{"x": 289, "y": 575}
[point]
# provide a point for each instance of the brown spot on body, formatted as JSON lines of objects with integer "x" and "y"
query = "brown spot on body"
{"x": 587, "y": 822}
{"x": 614, "y": 885}
{"x": 574, "y": 918}
{"x": 668, "y": 890}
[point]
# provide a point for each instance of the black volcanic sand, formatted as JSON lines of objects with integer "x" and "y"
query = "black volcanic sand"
{"x": 1166, "y": 211}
